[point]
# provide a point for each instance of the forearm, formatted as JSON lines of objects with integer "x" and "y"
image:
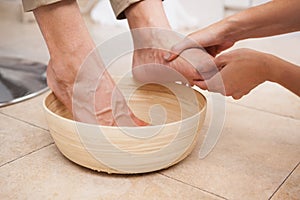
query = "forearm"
{"x": 285, "y": 74}
{"x": 273, "y": 18}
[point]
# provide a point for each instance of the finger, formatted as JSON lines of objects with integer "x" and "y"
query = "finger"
{"x": 176, "y": 50}
{"x": 207, "y": 75}
{"x": 215, "y": 84}
{"x": 220, "y": 61}
{"x": 237, "y": 96}
{"x": 212, "y": 50}
{"x": 208, "y": 85}
{"x": 240, "y": 94}
{"x": 201, "y": 84}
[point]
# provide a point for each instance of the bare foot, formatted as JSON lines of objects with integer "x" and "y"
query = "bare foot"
{"x": 150, "y": 65}
{"x": 110, "y": 106}
{"x": 69, "y": 43}
{"x": 152, "y": 37}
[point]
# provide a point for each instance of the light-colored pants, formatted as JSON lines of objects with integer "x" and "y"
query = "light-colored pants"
{"x": 118, "y": 5}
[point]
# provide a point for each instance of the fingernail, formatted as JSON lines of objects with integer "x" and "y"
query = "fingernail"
{"x": 167, "y": 56}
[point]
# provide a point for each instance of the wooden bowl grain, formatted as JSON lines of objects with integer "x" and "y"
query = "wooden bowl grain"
{"x": 132, "y": 150}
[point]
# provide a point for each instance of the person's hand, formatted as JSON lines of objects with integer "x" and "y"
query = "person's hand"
{"x": 149, "y": 64}
{"x": 152, "y": 37}
{"x": 214, "y": 38}
{"x": 271, "y": 18}
{"x": 241, "y": 70}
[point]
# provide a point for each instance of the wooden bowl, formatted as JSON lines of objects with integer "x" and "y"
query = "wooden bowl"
{"x": 129, "y": 150}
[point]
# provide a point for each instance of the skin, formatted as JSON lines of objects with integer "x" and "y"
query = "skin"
{"x": 244, "y": 69}
{"x": 240, "y": 72}
{"x": 69, "y": 43}
{"x": 151, "y": 45}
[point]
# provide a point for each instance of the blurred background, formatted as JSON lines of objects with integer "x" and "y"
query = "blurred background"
{"x": 182, "y": 14}
{"x": 20, "y": 36}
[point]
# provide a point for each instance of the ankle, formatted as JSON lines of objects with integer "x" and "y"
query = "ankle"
{"x": 73, "y": 51}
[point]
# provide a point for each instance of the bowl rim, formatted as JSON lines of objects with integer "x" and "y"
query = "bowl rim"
{"x": 127, "y": 127}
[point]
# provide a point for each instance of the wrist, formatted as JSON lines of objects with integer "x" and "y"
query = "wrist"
{"x": 233, "y": 29}
{"x": 281, "y": 70}
{"x": 273, "y": 67}
{"x": 286, "y": 74}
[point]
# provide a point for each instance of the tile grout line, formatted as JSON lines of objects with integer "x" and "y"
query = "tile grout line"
{"x": 286, "y": 178}
{"x": 265, "y": 111}
{"x": 206, "y": 191}
{"x": 21, "y": 120}
{"x": 203, "y": 190}
{"x": 36, "y": 150}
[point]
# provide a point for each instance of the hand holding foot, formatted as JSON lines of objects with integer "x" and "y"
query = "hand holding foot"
{"x": 152, "y": 38}
{"x": 242, "y": 70}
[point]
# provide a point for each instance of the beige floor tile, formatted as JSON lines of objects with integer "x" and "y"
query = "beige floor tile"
{"x": 18, "y": 139}
{"x": 272, "y": 98}
{"x": 30, "y": 111}
{"x": 46, "y": 174}
{"x": 290, "y": 189}
{"x": 255, "y": 153}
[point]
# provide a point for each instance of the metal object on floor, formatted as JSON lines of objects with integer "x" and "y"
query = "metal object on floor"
{"x": 20, "y": 80}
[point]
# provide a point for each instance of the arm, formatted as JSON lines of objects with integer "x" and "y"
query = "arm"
{"x": 273, "y": 18}
{"x": 285, "y": 74}
{"x": 243, "y": 69}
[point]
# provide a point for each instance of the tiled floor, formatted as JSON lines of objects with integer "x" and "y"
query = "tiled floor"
{"x": 257, "y": 156}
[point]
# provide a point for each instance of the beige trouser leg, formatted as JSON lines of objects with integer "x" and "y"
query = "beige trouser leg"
{"x": 118, "y": 5}
{"x": 30, "y": 5}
